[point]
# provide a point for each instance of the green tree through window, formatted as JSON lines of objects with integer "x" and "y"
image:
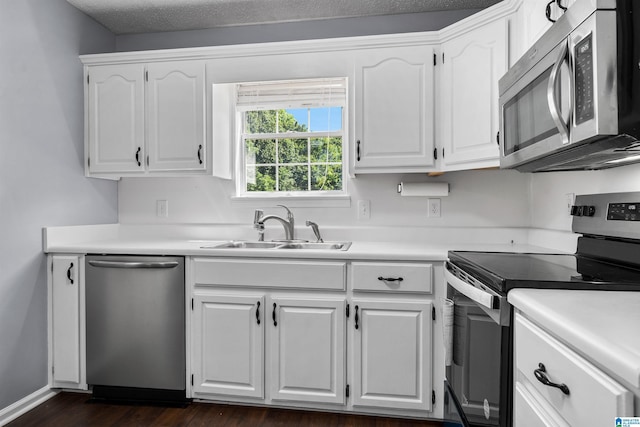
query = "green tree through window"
{"x": 284, "y": 155}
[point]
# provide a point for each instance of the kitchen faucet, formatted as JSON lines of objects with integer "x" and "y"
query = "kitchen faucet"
{"x": 259, "y": 219}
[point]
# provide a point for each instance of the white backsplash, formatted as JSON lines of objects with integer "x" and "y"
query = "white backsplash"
{"x": 490, "y": 198}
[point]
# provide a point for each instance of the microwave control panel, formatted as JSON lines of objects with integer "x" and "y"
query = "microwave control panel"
{"x": 583, "y": 75}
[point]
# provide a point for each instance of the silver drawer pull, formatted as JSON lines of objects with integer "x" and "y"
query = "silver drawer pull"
{"x": 390, "y": 279}
{"x": 541, "y": 375}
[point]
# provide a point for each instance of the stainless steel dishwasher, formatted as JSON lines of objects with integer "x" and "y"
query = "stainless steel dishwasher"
{"x": 135, "y": 328}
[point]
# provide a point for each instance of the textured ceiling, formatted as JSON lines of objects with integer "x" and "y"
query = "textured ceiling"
{"x": 141, "y": 16}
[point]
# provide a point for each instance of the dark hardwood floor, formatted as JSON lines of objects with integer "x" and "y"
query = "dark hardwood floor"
{"x": 71, "y": 409}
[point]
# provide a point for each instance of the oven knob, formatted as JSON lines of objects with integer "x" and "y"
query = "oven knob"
{"x": 588, "y": 210}
{"x": 576, "y": 210}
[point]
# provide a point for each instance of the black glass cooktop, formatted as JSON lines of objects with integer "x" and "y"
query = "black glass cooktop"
{"x": 504, "y": 271}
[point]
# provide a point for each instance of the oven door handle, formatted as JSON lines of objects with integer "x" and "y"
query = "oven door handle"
{"x": 479, "y": 296}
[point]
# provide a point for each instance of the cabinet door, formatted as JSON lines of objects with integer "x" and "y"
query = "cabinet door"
{"x": 66, "y": 342}
{"x": 529, "y": 412}
{"x": 175, "y": 114}
{"x": 307, "y": 339}
{"x": 473, "y": 64}
{"x": 392, "y": 354}
{"x": 394, "y": 107}
{"x": 116, "y": 118}
{"x": 228, "y": 338}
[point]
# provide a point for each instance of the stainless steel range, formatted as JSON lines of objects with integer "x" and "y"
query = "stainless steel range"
{"x": 478, "y": 388}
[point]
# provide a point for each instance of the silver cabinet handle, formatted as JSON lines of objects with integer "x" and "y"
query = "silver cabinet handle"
{"x": 133, "y": 264}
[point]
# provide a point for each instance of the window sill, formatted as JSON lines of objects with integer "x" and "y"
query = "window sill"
{"x": 324, "y": 201}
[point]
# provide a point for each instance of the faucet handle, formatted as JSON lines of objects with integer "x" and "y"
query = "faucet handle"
{"x": 289, "y": 213}
{"x": 316, "y": 231}
{"x": 257, "y": 216}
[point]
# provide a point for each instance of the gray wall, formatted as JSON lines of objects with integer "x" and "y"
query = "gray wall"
{"x": 345, "y": 27}
{"x": 41, "y": 174}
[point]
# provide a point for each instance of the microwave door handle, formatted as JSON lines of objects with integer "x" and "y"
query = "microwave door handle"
{"x": 479, "y": 296}
{"x": 552, "y": 98}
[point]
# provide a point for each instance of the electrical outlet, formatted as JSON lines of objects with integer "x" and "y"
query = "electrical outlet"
{"x": 364, "y": 209}
{"x": 570, "y": 200}
{"x": 162, "y": 208}
{"x": 434, "y": 208}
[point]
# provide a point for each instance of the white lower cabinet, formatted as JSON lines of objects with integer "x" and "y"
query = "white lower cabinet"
{"x": 307, "y": 338}
{"x": 392, "y": 354}
{"x": 228, "y": 346}
{"x": 66, "y": 322}
{"x": 301, "y": 339}
{"x": 365, "y": 348}
{"x": 555, "y": 386}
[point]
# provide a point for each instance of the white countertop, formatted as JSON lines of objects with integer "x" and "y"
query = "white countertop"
{"x": 189, "y": 241}
{"x": 601, "y": 325}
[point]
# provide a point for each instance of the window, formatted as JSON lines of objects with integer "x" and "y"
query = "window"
{"x": 292, "y": 137}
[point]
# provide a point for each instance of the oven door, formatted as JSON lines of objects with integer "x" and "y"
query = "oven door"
{"x": 479, "y": 375}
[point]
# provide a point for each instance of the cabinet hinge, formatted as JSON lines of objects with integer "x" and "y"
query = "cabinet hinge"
{"x": 433, "y": 313}
{"x": 347, "y": 391}
{"x": 191, "y": 379}
{"x": 435, "y": 154}
{"x": 434, "y": 59}
{"x": 347, "y": 311}
{"x": 433, "y": 397}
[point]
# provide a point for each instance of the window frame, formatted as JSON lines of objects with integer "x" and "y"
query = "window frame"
{"x": 241, "y": 136}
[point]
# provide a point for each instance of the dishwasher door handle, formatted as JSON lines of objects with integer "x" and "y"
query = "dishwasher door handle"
{"x": 133, "y": 264}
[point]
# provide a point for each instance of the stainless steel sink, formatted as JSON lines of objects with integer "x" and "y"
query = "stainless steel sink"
{"x": 336, "y": 246}
{"x": 244, "y": 245}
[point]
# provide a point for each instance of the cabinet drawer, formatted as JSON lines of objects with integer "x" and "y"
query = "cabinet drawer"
{"x": 379, "y": 276}
{"x": 594, "y": 398}
{"x": 269, "y": 273}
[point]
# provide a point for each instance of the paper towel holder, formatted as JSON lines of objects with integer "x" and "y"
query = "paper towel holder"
{"x": 424, "y": 189}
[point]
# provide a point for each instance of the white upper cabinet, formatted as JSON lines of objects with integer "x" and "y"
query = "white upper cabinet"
{"x": 394, "y": 103}
{"x": 473, "y": 63}
{"x": 176, "y": 116}
{"x": 533, "y": 21}
{"x": 115, "y": 115}
{"x": 146, "y": 119}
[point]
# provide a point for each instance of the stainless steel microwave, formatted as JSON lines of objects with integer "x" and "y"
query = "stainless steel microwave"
{"x": 572, "y": 102}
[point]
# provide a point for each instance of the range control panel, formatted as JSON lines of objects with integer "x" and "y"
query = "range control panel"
{"x": 623, "y": 212}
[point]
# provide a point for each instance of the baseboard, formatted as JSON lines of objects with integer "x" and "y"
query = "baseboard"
{"x": 25, "y": 404}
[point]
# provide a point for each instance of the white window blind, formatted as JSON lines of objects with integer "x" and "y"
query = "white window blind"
{"x": 291, "y": 94}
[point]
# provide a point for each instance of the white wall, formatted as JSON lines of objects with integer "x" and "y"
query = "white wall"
{"x": 489, "y": 198}
{"x": 549, "y": 190}
{"x": 41, "y": 175}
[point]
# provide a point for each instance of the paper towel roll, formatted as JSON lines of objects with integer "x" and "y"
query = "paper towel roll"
{"x": 424, "y": 189}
